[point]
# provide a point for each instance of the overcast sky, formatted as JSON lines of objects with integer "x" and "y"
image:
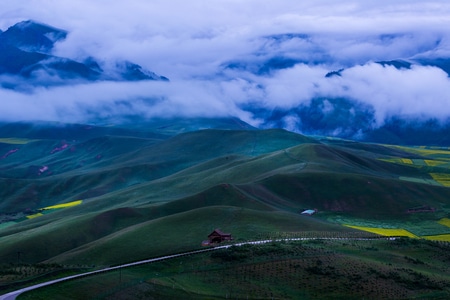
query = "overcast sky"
{"x": 190, "y": 42}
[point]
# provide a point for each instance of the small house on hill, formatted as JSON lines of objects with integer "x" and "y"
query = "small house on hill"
{"x": 217, "y": 236}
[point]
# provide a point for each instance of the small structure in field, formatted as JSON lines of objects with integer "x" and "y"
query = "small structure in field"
{"x": 217, "y": 236}
{"x": 308, "y": 212}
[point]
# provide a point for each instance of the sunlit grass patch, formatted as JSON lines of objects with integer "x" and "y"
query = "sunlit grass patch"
{"x": 442, "y": 178}
{"x": 385, "y": 231}
{"x": 15, "y": 141}
{"x": 64, "y": 205}
{"x": 406, "y": 161}
{"x": 440, "y": 237}
{"x": 434, "y": 163}
{"x": 34, "y": 216}
{"x": 445, "y": 222}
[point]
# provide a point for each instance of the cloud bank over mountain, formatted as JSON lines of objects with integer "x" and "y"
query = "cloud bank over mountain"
{"x": 280, "y": 64}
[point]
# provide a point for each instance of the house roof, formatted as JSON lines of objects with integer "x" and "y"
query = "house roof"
{"x": 219, "y": 232}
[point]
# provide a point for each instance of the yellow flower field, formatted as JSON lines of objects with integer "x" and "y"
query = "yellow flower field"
{"x": 63, "y": 205}
{"x": 385, "y": 231}
{"x": 34, "y": 216}
{"x": 397, "y": 160}
{"x": 433, "y": 152}
{"x": 424, "y": 151}
{"x": 434, "y": 163}
{"x": 404, "y": 161}
{"x": 445, "y": 222}
{"x": 15, "y": 141}
{"x": 440, "y": 237}
{"x": 442, "y": 178}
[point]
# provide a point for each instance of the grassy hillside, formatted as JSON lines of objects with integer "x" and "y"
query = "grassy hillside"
{"x": 64, "y": 171}
{"x": 146, "y": 195}
{"x": 399, "y": 269}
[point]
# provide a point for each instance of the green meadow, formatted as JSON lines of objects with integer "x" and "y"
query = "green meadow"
{"x": 377, "y": 269}
{"x": 143, "y": 193}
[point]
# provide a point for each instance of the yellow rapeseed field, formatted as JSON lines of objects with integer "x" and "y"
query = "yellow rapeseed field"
{"x": 34, "y": 216}
{"x": 440, "y": 237}
{"x": 434, "y": 163}
{"x": 15, "y": 141}
{"x": 442, "y": 178}
{"x": 445, "y": 222}
{"x": 433, "y": 152}
{"x": 424, "y": 151}
{"x": 398, "y": 160}
{"x": 64, "y": 205}
{"x": 385, "y": 231}
{"x": 391, "y": 160}
{"x": 407, "y": 161}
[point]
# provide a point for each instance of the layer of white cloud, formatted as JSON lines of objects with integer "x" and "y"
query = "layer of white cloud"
{"x": 190, "y": 41}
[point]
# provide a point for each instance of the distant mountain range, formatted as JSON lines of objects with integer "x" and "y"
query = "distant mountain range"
{"x": 26, "y": 50}
{"x": 277, "y": 52}
{"x": 353, "y": 120}
{"x": 27, "y": 60}
{"x": 334, "y": 115}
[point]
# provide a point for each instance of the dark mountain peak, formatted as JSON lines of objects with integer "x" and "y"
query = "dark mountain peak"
{"x": 334, "y": 73}
{"x": 397, "y": 63}
{"x": 92, "y": 64}
{"x": 134, "y": 72}
{"x": 26, "y": 53}
{"x": 33, "y": 36}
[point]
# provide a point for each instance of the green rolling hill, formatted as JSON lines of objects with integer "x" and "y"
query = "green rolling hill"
{"x": 150, "y": 192}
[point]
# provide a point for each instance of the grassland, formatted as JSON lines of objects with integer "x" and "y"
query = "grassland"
{"x": 399, "y": 269}
{"x": 434, "y": 159}
{"x": 147, "y": 195}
